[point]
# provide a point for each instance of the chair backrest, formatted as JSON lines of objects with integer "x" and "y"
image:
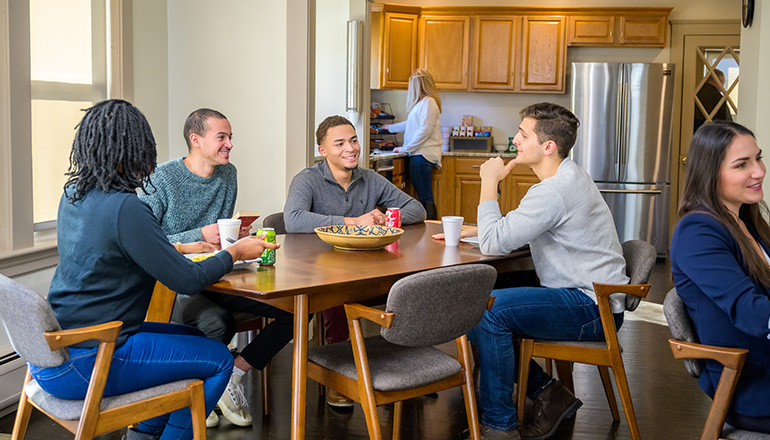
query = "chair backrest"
{"x": 276, "y": 222}
{"x": 26, "y": 316}
{"x": 437, "y": 306}
{"x": 682, "y": 328}
{"x": 640, "y": 258}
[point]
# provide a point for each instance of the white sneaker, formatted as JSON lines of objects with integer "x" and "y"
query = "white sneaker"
{"x": 212, "y": 420}
{"x": 233, "y": 402}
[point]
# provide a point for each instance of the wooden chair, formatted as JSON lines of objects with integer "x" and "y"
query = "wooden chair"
{"x": 162, "y": 304}
{"x": 684, "y": 346}
{"x": 423, "y": 310}
{"x": 38, "y": 338}
{"x": 604, "y": 354}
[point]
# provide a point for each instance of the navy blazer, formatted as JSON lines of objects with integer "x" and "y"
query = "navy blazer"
{"x": 728, "y": 308}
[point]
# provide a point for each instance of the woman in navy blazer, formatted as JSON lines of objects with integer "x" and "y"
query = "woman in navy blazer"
{"x": 719, "y": 261}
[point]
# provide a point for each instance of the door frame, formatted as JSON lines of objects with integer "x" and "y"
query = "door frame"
{"x": 680, "y": 30}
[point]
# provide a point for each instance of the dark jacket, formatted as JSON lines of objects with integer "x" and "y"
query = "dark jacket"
{"x": 726, "y": 305}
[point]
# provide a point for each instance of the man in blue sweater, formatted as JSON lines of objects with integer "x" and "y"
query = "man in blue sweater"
{"x": 190, "y": 194}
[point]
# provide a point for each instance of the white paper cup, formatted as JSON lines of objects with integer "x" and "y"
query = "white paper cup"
{"x": 452, "y": 227}
{"x": 228, "y": 231}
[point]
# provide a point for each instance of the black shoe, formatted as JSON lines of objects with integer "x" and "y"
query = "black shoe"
{"x": 133, "y": 434}
{"x": 554, "y": 404}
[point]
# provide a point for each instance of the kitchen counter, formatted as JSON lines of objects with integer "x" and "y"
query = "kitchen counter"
{"x": 391, "y": 155}
{"x": 385, "y": 155}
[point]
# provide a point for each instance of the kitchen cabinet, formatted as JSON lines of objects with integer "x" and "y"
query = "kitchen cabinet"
{"x": 641, "y": 30}
{"x": 399, "y": 173}
{"x": 634, "y": 28}
{"x": 544, "y": 54}
{"x": 494, "y": 52}
{"x": 444, "y": 49}
{"x": 591, "y": 30}
{"x": 399, "y": 49}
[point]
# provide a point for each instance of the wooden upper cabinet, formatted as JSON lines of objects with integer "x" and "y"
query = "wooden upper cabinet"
{"x": 590, "y": 30}
{"x": 494, "y": 52}
{"x": 399, "y": 49}
{"x": 641, "y": 30}
{"x": 444, "y": 47}
{"x": 544, "y": 54}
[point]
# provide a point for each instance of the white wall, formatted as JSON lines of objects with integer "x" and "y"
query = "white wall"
{"x": 230, "y": 55}
{"x": 150, "y": 43}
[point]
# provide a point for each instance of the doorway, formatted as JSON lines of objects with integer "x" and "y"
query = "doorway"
{"x": 699, "y": 50}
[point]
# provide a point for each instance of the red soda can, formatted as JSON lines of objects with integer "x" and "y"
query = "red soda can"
{"x": 393, "y": 217}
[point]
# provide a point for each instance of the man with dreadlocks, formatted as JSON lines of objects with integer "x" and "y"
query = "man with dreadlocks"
{"x": 112, "y": 250}
{"x": 207, "y": 173}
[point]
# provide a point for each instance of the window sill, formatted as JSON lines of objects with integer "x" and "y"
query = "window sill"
{"x": 42, "y": 255}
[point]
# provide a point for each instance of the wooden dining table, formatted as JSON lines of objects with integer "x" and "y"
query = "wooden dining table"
{"x": 310, "y": 276}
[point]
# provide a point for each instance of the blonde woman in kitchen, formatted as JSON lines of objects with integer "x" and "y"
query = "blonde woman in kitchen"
{"x": 422, "y": 136}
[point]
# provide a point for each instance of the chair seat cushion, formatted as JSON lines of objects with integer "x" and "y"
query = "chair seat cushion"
{"x": 393, "y": 367}
{"x": 71, "y": 409}
{"x": 587, "y": 344}
{"x": 731, "y": 433}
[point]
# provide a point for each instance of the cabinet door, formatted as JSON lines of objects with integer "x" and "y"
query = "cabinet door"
{"x": 519, "y": 185}
{"x": 400, "y": 181}
{"x": 467, "y": 193}
{"x": 544, "y": 54}
{"x": 399, "y": 49}
{"x": 444, "y": 48}
{"x": 494, "y": 52}
{"x": 591, "y": 30}
{"x": 641, "y": 30}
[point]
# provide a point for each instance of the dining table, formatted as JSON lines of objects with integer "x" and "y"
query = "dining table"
{"x": 310, "y": 275}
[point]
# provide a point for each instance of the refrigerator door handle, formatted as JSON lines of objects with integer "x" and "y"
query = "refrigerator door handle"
{"x": 631, "y": 191}
{"x": 624, "y": 129}
{"x": 619, "y": 123}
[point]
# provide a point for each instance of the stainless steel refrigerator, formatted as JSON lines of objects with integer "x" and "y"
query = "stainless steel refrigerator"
{"x": 624, "y": 142}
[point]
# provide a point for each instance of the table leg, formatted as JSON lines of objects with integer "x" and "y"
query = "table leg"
{"x": 299, "y": 368}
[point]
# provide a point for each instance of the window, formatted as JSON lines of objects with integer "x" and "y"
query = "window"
{"x": 68, "y": 73}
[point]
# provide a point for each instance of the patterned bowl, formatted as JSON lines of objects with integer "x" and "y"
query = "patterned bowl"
{"x": 358, "y": 238}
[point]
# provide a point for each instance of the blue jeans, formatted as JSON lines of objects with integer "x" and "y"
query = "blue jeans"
{"x": 159, "y": 353}
{"x": 535, "y": 312}
{"x": 420, "y": 170}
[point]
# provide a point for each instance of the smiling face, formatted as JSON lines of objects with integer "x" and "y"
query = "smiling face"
{"x": 214, "y": 146}
{"x": 340, "y": 148}
{"x": 530, "y": 149}
{"x": 741, "y": 173}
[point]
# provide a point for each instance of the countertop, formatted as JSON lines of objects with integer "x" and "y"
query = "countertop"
{"x": 391, "y": 155}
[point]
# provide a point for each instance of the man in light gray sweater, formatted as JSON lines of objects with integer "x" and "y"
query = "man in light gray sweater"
{"x": 338, "y": 192}
{"x": 573, "y": 242}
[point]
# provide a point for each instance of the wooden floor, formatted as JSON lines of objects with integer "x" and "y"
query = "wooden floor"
{"x": 668, "y": 402}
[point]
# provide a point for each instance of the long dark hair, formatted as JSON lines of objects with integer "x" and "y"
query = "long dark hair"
{"x": 704, "y": 161}
{"x": 114, "y": 149}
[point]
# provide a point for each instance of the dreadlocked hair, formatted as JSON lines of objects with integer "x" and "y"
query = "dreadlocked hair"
{"x": 114, "y": 149}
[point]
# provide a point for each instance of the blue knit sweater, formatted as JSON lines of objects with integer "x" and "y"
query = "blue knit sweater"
{"x": 184, "y": 202}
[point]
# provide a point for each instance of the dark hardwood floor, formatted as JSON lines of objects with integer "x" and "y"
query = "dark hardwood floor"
{"x": 668, "y": 402}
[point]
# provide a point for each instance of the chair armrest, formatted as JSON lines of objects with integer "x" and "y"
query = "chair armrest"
{"x": 358, "y": 311}
{"x": 107, "y": 332}
{"x": 605, "y": 290}
{"x": 727, "y": 356}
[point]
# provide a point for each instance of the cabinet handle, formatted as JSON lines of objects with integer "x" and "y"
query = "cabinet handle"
{"x": 475, "y": 166}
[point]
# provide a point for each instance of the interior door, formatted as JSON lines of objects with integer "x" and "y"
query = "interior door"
{"x": 703, "y": 54}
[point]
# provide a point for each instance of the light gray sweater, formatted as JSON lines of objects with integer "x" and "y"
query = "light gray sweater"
{"x": 316, "y": 199}
{"x": 569, "y": 229}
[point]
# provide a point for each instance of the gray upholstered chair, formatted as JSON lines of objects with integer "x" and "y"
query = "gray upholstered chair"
{"x": 423, "y": 310}
{"x": 685, "y": 346}
{"x": 37, "y": 337}
{"x": 640, "y": 259}
{"x": 276, "y": 222}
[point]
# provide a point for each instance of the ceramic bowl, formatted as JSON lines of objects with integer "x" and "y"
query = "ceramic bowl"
{"x": 358, "y": 238}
